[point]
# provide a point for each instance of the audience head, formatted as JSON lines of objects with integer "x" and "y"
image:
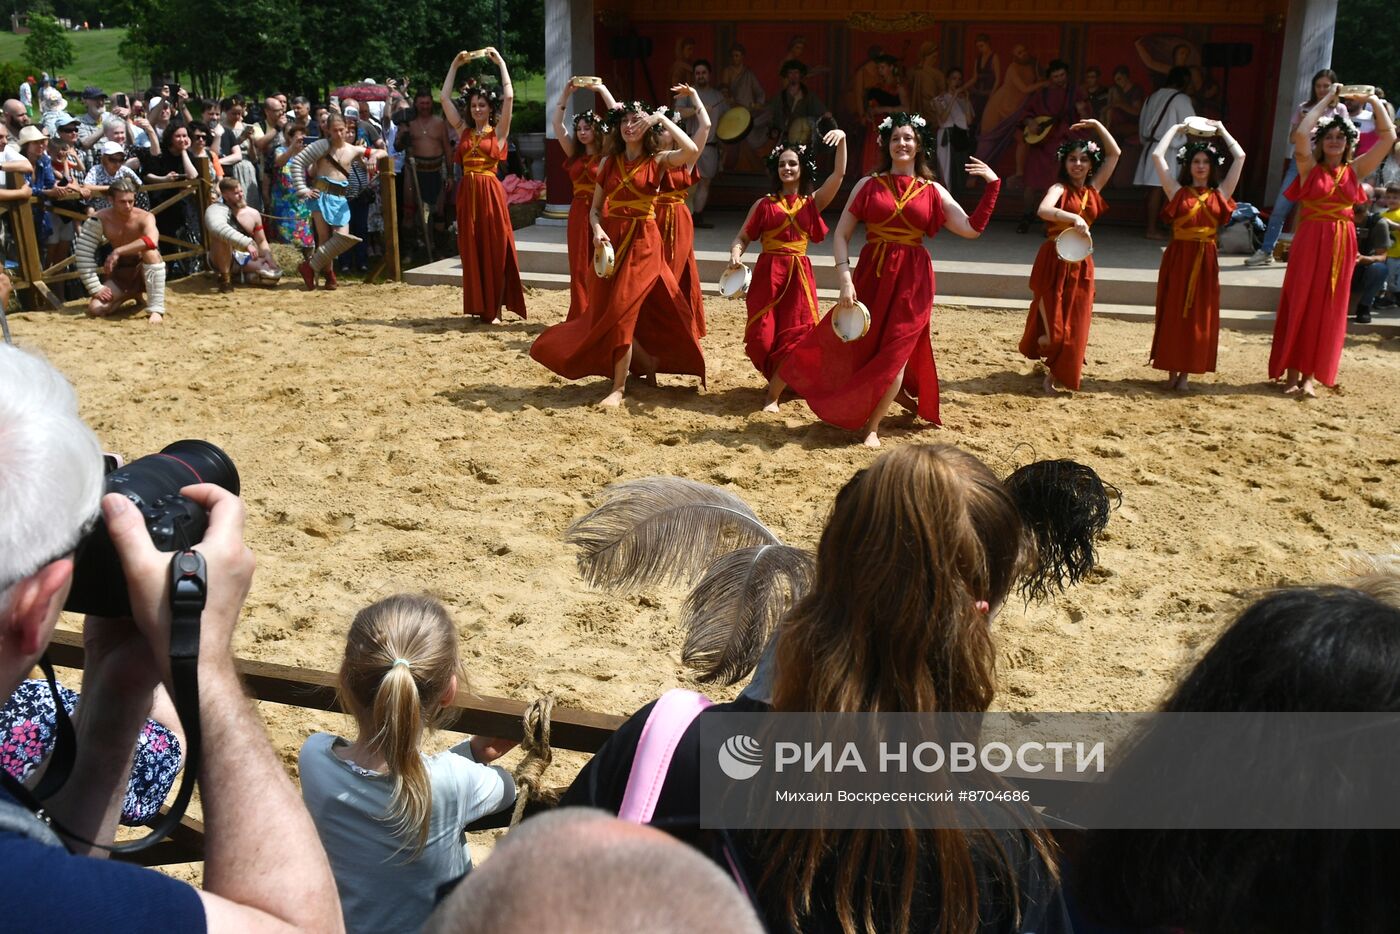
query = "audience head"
{"x": 1322, "y": 83}
{"x": 231, "y": 190}
{"x": 586, "y": 872}
{"x": 16, "y": 116}
{"x": 1178, "y": 78}
{"x": 50, "y": 484}
{"x": 423, "y": 103}
{"x": 175, "y": 137}
{"x": 1058, "y": 72}
{"x": 301, "y": 107}
{"x": 399, "y": 674}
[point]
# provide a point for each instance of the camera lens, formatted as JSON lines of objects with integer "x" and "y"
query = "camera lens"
{"x": 207, "y": 463}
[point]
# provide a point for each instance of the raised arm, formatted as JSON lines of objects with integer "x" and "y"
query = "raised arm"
{"x": 955, "y": 218}
{"x": 686, "y": 152}
{"x": 702, "y": 132}
{"x": 449, "y": 109}
{"x": 608, "y": 101}
{"x": 829, "y": 188}
{"x": 841, "y": 247}
{"x": 1170, "y": 186}
{"x": 1302, "y": 133}
{"x": 561, "y": 133}
{"x": 1232, "y": 177}
{"x": 1371, "y": 159}
{"x": 1111, "y": 151}
{"x": 507, "y": 95}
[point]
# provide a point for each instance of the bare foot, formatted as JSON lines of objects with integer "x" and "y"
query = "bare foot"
{"x": 1308, "y": 389}
{"x": 156, "y": 318}
{"x": 1291, "y": 389}
{"x": 1048, "y": 384}
{"x": 1181, "y": 385}
{"x": 872, "y": 440}
{"x": 499, "y": 319}
{"x": 612, "y": 400}
{"x": 907, "y": 402}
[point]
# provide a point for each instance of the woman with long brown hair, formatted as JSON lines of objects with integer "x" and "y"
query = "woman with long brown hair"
{"x": 583, "y": 151}
{"x": 851, "y": 384}
{"x": 919, "y": 554}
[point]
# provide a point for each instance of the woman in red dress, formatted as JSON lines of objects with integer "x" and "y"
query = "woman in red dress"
{"x": 1188, "y": 284}
{"x": 1312, "y": 309}
{"x": 782, "y": 296}
{"x": 485, "y": 241}
{"x": 637, "y": 317}
{"x": 582, "y": 153}
{"x": 1057, "y": 328}
{"x": 851, "y": 384}
{"x": 673, "y": 217}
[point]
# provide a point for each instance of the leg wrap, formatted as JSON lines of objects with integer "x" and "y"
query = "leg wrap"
{"x": 154, "y": 274}
{"x": 327, "y": 252}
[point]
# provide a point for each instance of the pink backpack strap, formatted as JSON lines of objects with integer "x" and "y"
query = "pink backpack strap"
{"x": 671, "y": 716}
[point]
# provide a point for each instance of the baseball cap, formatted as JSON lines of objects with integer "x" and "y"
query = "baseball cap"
{"x": 92, "y": 92}
{"x": 352, "y": 111}
{"x": 110, "y": 148}
{"x": 65, "y": 119}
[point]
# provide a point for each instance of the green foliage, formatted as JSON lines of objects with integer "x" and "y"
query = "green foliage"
{"x": 1362, "y": 52}
{"x": 47, "y": 47}
{"x": 527, "y": 117}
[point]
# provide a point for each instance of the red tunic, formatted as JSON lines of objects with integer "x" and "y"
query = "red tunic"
{"x": 843, "y": 382}
{"x": 1312, "y": 308}
{"x": 639, "y": 299}
{"x": 485, "y": 241}
{"x": 583, "y": 173}
{"x": 1188, "y": 284}
{"x": 782, "y": 297}
{"x": 1067, "y": 289}
{"x": 677, "y": 227}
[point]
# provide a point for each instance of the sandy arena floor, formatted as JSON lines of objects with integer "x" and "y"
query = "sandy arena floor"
{"x": 387, "y": 444}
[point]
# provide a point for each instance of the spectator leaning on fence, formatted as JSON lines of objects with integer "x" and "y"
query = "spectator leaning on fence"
{"x": 264, "y": 869}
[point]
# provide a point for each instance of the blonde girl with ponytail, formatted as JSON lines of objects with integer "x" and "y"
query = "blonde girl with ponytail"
{"x": 391, "y": 818}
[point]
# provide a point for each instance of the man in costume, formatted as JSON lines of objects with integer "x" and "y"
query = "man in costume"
{"x": 428, "y": 148}
{"x": 236, "y": 235}
{"x": 134, "y": 266}
{"x": 330, "y": 160}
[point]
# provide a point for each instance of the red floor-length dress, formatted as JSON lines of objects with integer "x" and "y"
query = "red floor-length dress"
{"x": 583, "y": 175}
{"x": 843, "y": 382}
{"x": 1188, "y": 284}
{"x": 677, "y": 226}
{"x": 1312, "y": 308}
{"x": 640, "y": 299}
{"x": 485, "y": 241}
{"x": 782, "y": 298}
{"x": 1067, "y": 289}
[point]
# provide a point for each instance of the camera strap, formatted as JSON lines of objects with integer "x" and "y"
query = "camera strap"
{"x": 189, "y": 588}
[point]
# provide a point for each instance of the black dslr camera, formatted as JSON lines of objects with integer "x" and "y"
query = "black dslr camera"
{"x": 153, "y": 483}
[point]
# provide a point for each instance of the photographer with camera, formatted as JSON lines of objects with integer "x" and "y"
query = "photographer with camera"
{"x": 264, "y": 869}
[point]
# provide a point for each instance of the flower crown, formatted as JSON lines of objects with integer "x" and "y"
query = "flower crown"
{"x": 806, "y": 158}
{"x": 920, "y": 125}
{"x": 1328, "y": 122}
{"x": 493, "y": 97}
{"x": 622, "y": 111}
{"x": 1094, "y": 150}
{"x": 669, "y": 113}
{"x": 588, "y": 116}
{"x": 1188, "y": 152}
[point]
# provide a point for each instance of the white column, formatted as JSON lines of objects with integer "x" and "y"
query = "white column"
{"x": 1307, "y": 49}
{"x": 568, "y": 51}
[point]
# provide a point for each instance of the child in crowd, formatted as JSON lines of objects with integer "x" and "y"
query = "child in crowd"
{"x": 1391, "y": 203}
{"x": 390, "y": 817}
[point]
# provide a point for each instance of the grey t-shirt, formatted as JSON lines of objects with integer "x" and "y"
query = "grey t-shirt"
{"x": 382, "y": 888}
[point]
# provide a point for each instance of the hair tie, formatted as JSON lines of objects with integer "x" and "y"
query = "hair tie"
{"x": 982, "y": 606}
{"x": 402, "y": 661}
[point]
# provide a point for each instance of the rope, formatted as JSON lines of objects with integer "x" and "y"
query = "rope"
{"x": 538, "y": 755}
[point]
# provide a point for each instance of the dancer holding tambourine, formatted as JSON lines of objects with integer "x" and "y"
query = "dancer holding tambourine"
{"x": 582, "y": 153}
{"x": 636, "y": 316}
{"x": 1062, "y": 279}
{"x": 1312, "y": 309}
{"x": 673, "y": 217}
{"x": 1199, "y": 203}
{"x": 782, "y": 295}
{"x": 850, "y": 376}
{"x": 485, "y": 240}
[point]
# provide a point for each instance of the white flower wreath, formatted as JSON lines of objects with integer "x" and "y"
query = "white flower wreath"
{"x": 886, "y": 123}
{"x": 917, "y": 121}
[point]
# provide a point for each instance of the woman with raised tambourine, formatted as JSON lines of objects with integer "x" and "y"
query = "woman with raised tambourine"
{"x": 1199, "y": 203}
{"x": 1062, "y": 279}
{"x": 850, "y": 376}
{"x": 637, "y": 318}
{"x": 583, "y": 151}
{"x": 782, "y": 294}
{"x": 1312, "y": 309}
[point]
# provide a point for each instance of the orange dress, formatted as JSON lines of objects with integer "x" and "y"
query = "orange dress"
{"x": 1188, "y": 284}
{"x": 485, "y": 241}
{"x": 1312, "y": 308}
{"x": 844, "y": 381}
{"x": 782, "y": 298}
{"x": 677, "y": 227}
{"x": 583, "y": 173}
{"x": 639, "y": 300}
{"x": 1067, "y": 289}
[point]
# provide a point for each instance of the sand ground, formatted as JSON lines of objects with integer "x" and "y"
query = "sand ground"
{"x": 387, "y": 444}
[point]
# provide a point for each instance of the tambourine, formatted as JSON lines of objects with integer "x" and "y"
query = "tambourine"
{"x": 1361, "y": 91}
{"x": 475, "y": 54}
{"x": 735, "y": 281}
{"x": 851, "y": 324}
{"x": 1200, "y": 126}
{"x": 603, "y": 259}
{"x": 1074, "y": 245}
{"x": 585, "y": 81}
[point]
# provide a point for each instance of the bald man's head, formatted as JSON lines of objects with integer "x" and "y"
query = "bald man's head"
{"x": 582, "y": 871}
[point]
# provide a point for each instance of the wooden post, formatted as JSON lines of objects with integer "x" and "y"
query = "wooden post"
{"x": 201, "y": 165}
{"x": 30, "y": 263}
{"x": 392, "y": 264}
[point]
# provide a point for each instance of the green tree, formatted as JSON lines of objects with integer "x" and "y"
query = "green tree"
{"x": 1360, "y": 54}
{"x": 47, "y": 47}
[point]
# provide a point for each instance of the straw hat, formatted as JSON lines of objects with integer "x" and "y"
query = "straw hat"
{"x": 32, "y": 134}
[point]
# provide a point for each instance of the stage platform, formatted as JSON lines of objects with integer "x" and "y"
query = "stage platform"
{"x": 992, "y": 271}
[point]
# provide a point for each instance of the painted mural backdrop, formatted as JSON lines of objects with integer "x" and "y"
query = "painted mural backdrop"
{"x": 987, "y": 76}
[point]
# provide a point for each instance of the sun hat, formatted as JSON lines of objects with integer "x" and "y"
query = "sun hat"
{"x": 31, "y": 134}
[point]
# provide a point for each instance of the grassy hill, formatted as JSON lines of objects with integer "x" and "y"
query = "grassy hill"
{"x": 96, "y": 60}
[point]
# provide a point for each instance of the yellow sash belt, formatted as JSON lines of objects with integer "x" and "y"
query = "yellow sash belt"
{"x": 1338, "y": 215}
